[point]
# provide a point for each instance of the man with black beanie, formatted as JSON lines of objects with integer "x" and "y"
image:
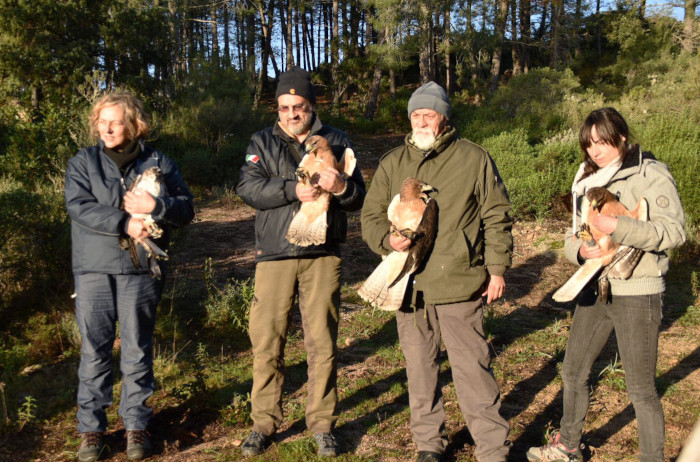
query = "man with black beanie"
{"x": 268, "y": 183}
{"x": 443, "y": 302}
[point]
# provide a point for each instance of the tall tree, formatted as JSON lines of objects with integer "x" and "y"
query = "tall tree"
{"x": 689, "y": 40}
{"x": 425, "y": 40}
{"x": 499, "y": 37}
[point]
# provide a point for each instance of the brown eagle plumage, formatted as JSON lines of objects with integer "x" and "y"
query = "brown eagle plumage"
{"x": 413, "y": 214}
{"x": 310, "y": 223}
{"x": 151, "y": 182}
{"x": 617, "y": 260}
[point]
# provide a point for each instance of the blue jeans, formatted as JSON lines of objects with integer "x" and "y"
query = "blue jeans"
{"x": 102, "y": 300}
{"x": 635, "y": 320}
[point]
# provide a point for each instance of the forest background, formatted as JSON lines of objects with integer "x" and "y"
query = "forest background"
{"x": 521, "y": 74}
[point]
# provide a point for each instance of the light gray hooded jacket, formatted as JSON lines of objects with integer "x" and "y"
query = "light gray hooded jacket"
{"x": 641, "y": 175}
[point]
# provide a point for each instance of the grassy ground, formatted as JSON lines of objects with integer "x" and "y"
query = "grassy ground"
{"x": 203, "y": 372}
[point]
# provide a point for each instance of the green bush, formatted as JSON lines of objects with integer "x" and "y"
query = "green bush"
{"x": 34, "y": 246}
{"x": 208, "y": 127}
{"x": 534, "y": 175}
{"x": 228, "y": 309}
{"x": 528, "y": 102}
{"x": 36, "y": 144}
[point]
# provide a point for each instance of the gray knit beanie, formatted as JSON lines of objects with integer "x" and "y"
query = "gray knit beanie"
{"x": 430, "y": 96}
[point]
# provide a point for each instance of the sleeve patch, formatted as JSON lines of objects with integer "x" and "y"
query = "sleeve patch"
{"x": 662, "y": 201}
{"x": 252, "y": 158}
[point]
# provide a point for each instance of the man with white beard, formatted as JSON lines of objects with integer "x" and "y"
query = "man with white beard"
{"x": 472, "y": 250}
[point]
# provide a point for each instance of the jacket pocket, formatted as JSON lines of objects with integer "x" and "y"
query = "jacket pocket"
{"x": 465, "y": 248}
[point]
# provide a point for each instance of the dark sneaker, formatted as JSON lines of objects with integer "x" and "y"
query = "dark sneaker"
{"x": 91, "y": 447}
{"x": 327, "y": 445}
{"x": 554, "y": 451}
{"x": 138, "y": 444}
{"x": 428, "y": 456}
{"x": 255, "y": 444}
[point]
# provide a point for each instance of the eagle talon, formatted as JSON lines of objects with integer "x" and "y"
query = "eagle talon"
{"x": 302, "y": 174}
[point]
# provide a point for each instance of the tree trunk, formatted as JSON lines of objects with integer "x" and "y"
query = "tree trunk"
{"x": 517, "y": 45}
{"x": 227, "y": 38}
{"x": 266, "y": 49}
{"x": 500, "y": 30}
{"x": 297, "y": 38}
{"x": 214, "y": 35}
{"x": 335, "y": 57}
{"x": 557, "y": 13}
{"x": 688, "y": 26}
{"x": 598, "y": 34}
{"x": 290, "y": 28}
{"x": 525, "y": 34}
{"x": 577, "y": 26}
{"x": 425, "y": 40}
{"x": 449, "y": 71}
{"x": 373, "y": 97}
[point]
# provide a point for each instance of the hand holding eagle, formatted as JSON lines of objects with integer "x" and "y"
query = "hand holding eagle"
{"x": 614, "y": 259}
{"x": 144, "y": 188}
{"x": 413, "y": 216}
{"x": 310, "y": 223}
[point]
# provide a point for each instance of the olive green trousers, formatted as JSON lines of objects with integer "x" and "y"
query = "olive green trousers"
{"x": 317, "y": 282}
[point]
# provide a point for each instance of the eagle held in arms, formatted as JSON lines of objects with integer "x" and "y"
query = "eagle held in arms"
{"x": 151, "y": 182}
{"x": 617, "y": 260}
{"x": 413, "y": 214}
{"x": 310, "y": 223}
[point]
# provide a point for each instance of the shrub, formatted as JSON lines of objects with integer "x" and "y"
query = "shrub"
{"x": 34, "y": 246}
{"x": 207, "y": 129}
{"x": 533, "y": 175}
{"x": 228, "y": 309}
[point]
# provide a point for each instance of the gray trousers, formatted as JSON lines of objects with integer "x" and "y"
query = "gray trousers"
{"x": 635, "y": 320}
{"x": 459, "y": 325}
{"x": 104, "y": 299}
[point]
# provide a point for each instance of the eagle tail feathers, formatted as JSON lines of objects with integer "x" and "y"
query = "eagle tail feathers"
{"x": 578, "y": 281}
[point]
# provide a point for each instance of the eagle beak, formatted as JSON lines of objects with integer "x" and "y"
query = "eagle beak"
{"x": 594, "y": 204}
{"x": 309, "y": 148}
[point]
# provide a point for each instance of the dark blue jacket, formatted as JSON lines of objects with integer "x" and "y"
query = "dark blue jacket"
{"x": 94, "y": 193}
{"x": 267, "y": 182}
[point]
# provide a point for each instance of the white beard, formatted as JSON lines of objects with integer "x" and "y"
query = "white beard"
{"x": 423, "y": 141}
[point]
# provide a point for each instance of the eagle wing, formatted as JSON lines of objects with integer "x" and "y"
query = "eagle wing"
{"x": 411, "y": 216}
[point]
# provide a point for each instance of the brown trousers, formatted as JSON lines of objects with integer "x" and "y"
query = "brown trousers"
{"x": 460, "y": 326}
{"x": 317, "y": 280}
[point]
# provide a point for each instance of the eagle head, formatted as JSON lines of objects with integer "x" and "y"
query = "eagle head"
{"x": 598, "y": 196}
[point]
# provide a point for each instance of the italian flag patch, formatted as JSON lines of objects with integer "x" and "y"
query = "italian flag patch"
{"x": 252, "y": 158}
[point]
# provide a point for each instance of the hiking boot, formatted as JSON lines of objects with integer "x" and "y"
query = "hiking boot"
{"x": 138, "y": 444}
{"x": 327, "y": 446}
{"x": 428, "y": 456}
{"x": 91, "y": 447}
{"x": 255, "y": 444}
{"x": 554, "y": 451}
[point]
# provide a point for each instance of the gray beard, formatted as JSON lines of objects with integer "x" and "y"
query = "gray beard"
{"x": 297, "y": 130}
{"x": 425, "y": 143}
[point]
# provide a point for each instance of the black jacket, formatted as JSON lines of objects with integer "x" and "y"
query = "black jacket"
{"x": 267, "y": 183}
{"x": 94, "y": 193}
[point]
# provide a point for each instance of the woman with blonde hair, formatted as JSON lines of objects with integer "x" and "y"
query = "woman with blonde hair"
{"x": 113, "y": 284}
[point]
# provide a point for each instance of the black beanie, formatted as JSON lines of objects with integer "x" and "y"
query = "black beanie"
{"x": 296, "y": 81}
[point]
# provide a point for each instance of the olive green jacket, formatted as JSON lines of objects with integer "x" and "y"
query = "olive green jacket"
{"x": 474, "y": 228}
